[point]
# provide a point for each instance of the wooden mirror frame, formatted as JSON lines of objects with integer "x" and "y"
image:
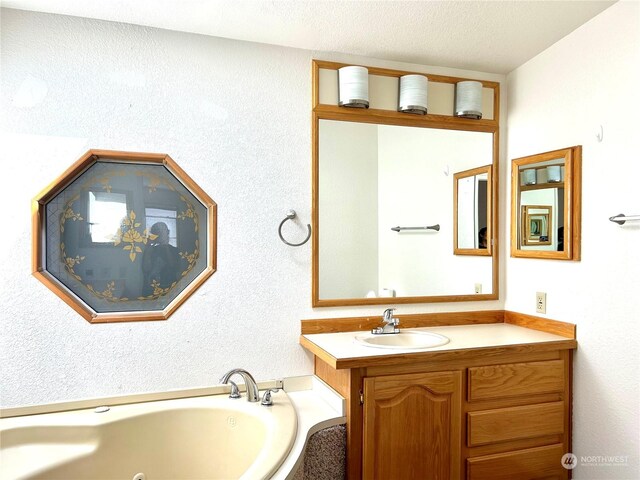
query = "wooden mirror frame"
{"x": 391, "y": 117}
{"x": 572, "y": 204}
{"x": 456, "y": 177}
{"x": 38, "y": 215}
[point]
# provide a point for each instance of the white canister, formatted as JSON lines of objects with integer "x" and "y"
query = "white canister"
{"x": 554, "y": 174}
{"x": 469, "y": 99}
{"x": 529, "y": 176}
{"x": 413, "y": 94}
{"x": 353, "y": 87}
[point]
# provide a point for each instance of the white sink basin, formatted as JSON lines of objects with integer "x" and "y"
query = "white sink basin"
{"x": 403, "y": 340}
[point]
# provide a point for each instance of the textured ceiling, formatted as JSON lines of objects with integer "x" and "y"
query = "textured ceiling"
{"x": 489, "y": 36}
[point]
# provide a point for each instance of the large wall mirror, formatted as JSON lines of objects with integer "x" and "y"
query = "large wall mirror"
{"x": 384, "y": 214}
{"x": 546, "y": 205}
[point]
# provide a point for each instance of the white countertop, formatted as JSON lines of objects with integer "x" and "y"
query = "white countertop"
{"x": 343, "y": 346}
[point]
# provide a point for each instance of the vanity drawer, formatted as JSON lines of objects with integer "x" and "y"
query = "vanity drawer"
{"x": 514, "y": 423}
{"x": 530, "y": 464}
{"x": 515, "y": 379}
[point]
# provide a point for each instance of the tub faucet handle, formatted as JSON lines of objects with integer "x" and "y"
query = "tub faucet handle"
{"x": 267, "y": 401}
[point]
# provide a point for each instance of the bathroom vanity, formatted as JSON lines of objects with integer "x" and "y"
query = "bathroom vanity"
{"x": 492, "y": 403}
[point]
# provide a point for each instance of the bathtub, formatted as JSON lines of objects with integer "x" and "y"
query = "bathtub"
{"x": 209, "y": 437}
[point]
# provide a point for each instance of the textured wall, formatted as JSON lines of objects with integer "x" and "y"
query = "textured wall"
{"x": 557, "y": 100}
{"x": 236, "y": 118}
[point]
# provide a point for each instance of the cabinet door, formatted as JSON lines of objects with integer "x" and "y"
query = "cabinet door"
{"x": 412, "y": 426}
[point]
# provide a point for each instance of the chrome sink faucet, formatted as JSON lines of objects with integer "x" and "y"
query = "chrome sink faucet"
{"x": 390, "y": 323}
{"x": 249, "y": 381}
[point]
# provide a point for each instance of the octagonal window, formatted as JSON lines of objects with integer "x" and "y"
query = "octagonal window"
{"x": 124, "y": 236}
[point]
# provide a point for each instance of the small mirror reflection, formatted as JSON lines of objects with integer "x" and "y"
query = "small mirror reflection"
{"x": 542, "y": 211}
{"x": 472, "y": 206}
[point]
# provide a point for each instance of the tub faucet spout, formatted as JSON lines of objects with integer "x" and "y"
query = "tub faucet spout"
{"x": 249, "y": 381}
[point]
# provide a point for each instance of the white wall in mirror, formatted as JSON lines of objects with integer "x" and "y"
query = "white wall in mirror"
{"x": 350, "y": 210}
{"x": 376, "y": 177}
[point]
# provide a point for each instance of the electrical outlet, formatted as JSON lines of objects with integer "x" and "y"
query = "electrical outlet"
{"x": 541, "y": 302}
{"x": 478, "y": 288}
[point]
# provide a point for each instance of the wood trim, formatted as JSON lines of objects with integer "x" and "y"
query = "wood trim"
{"x": 64, "y": 294}
{"x": 315, "y": 212}
{"x": 315, "y": 84}
{"x": 541, "y": 186}
{"x": 496, "y": 102}
{"x": 567, "y": 357}
{"x": 392, "y": 117}
{"x": 495, "y": 217}
{"x": 339, "y": 380}
{"x": 463, "y": 364}
{"x": 318, "y": 352}
{"x": 387, "y": 72}
{"x": 79, "y": 166}
{"x": 556, "y": 327}
{"x": 347, "y": 302}
{"x": 415, "y": 320}
{"x": 488, "y": 353}
{"x": 37, "y": 222}
{"x": 576, "y": 211}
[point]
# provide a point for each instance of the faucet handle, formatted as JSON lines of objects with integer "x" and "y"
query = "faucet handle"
{"x": 235, "y": 392}
{"x": 267, "y": 401}
{"x": 387, "y": 316}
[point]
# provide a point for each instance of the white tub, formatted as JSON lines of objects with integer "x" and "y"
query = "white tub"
{"x": 211, "y": 437}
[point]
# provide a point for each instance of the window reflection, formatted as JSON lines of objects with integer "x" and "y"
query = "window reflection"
{"x": 105, "y": 214}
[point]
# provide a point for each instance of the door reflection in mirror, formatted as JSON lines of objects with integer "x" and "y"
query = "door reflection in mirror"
{"x": 472, "y": 212}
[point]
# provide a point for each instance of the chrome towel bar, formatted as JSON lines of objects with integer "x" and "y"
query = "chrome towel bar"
{"x": 621, "y": 218}
{"x": 431, "y": 227}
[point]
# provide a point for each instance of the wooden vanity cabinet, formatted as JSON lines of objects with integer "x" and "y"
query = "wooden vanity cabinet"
{"x": 473, "y": 417}
{"x": 411, "y": 425}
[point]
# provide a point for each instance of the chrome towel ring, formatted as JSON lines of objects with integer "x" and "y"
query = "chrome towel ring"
{"x": 291, "y": 214}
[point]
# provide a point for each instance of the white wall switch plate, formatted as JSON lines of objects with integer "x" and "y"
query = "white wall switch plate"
{"x": 541, "y": 302}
